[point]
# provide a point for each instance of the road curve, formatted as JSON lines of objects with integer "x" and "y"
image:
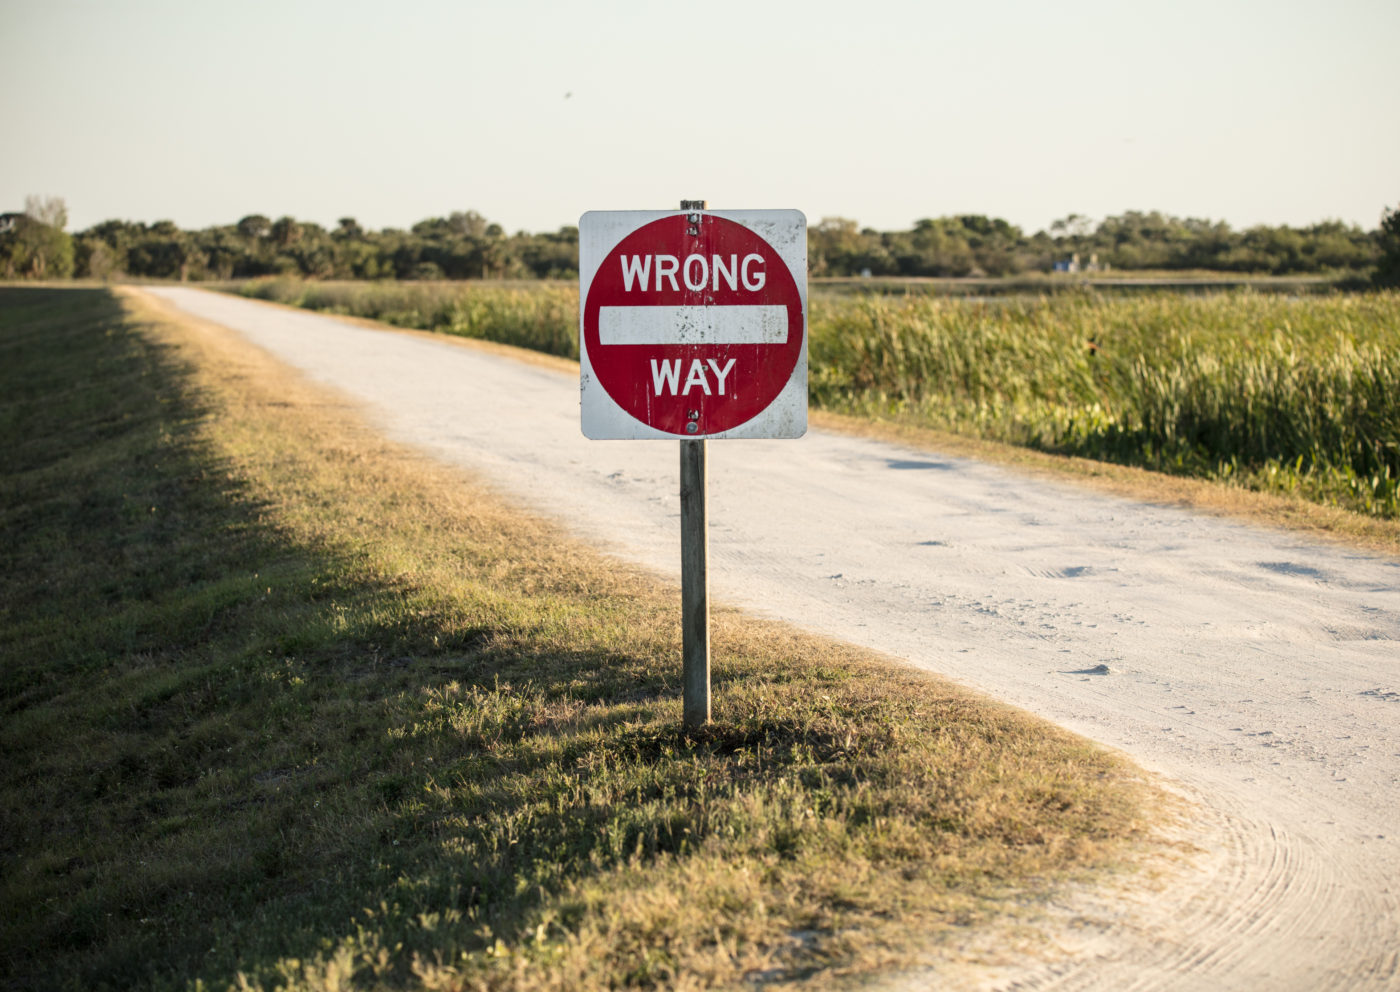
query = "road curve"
{"x": 1258, "y": 672}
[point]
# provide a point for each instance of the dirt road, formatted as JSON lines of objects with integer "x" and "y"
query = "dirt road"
{"x": 1258, "y": 672}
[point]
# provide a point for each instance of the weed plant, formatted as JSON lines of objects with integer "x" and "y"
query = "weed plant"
{"x": 286, "y": 707}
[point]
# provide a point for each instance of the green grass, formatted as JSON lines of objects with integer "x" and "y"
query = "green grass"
{"x": 288, "y": 707}
{"x": 1276, "y": 394}
{"x": 1298, "y": 396}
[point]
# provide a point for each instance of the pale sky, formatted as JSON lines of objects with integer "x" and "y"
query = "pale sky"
{"x": 533, "y": 112}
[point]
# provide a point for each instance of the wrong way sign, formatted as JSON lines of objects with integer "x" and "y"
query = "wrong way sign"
{"x": 693, "y": 324}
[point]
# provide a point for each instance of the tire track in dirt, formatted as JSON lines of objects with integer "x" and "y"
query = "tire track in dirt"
{"x": 1232, "y": 917}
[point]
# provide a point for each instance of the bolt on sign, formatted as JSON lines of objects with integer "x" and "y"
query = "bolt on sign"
{"x": 693, "y": 323}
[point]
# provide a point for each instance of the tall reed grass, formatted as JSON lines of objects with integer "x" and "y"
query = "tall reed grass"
{"x": 1293, "y": 395}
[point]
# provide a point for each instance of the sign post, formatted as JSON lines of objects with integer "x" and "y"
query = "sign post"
{"x": 695, "y": 586}
{"x": 693, "y": 325}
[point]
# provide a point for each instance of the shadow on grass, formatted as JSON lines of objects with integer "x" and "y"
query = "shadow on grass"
{"x": 219, "y": 740}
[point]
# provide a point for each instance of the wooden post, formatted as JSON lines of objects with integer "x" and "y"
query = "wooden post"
{"x": 695, "y": 573}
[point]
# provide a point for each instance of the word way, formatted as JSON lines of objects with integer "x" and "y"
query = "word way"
{"x": 667, "y": 373}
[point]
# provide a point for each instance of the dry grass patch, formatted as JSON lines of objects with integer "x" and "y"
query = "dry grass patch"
{"x": 288, "y": 706}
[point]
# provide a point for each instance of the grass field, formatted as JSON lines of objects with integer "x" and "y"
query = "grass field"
{"x": 1295, "y": 396}
{"x": 288, "y": 707}
{"x": 1298, "y": 396}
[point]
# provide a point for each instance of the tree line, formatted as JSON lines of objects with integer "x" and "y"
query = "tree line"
{"x": 975, "y": 245}
{"x": 464, "y": 245}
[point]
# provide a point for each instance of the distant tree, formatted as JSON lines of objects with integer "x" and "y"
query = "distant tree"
{"x": 1136, "y": 240}
{"x": 468, "y": 224}
{"x": 255, "y": 227}
{"x": 13, "y": 259}
{"x": 226, "y": 251}
{"x": 1204, "y": 244}
{"x": 33, "y": 244}
{"x": 314, "y": 252}
{"x": 102, "y": 250}
{"x": 166, "y": 252}
{"x": 1388, "y": 266}
{"x": 832, "y": 247}
{"x": 1333, "y": 246}
{"x": 119, "y": 234}
{"x": 992, "y": 242}
{"x": 348, "y": 227}
{"x": 1073, "y": 226}
{"x": 432, "y": 227}
{"x": 285, "y": 231}
{"x": 549, "y": 256}
{"x": 937, "y": 248}
{"x": 94, "y": 258}
{"x": 1274, "y": 249}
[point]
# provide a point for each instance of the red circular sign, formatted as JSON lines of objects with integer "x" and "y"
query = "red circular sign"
{"x": 693, "y": 323}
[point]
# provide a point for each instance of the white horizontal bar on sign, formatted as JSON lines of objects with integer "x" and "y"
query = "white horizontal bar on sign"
{"x": 742, "y": 324}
